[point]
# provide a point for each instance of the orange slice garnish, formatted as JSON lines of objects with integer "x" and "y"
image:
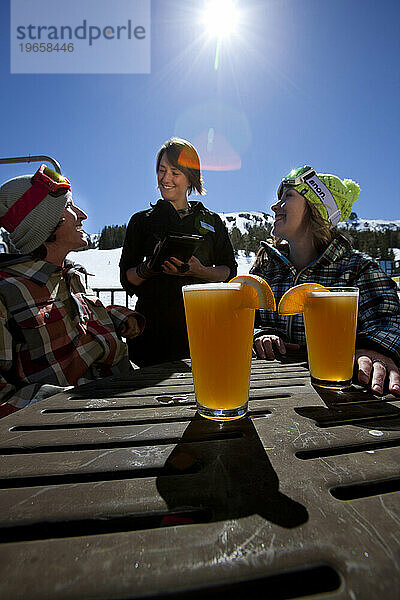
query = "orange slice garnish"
{"x": 293, "y": 301}
{"x": 256, "y": 292}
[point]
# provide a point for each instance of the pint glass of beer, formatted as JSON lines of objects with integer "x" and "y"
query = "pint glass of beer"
{"x": 330, "y": 319}
{"x": 220, "y": 334}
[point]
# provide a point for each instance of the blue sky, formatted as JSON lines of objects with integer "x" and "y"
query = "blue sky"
{"x": 300, "y": 82}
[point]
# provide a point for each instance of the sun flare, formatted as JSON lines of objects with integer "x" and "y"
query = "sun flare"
{"x": 220, "y": 17}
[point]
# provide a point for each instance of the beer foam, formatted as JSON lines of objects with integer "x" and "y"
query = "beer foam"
{"x": 342, "y": 294}
{"x": 205, "y": 287}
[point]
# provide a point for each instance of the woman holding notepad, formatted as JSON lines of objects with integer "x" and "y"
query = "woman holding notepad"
{"x": 158, "y": 285}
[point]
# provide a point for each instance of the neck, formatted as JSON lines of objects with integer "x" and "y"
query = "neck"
{"x": 302, "y": 252}
{"x": 181, "y": 203}
{"x": 55, "y": 254}
{"x": 181, "y": 206}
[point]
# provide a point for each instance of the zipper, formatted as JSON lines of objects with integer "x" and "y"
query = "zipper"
{"x": 290, "y": 319}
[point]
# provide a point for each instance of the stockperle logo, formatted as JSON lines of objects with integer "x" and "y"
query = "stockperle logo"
{"x": 80, "y": 36}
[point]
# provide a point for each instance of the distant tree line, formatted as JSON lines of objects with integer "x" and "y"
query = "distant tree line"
{"x": 249, "y": 241}
{"x": 378, "y": 244}
{"x": 112, "y": 236}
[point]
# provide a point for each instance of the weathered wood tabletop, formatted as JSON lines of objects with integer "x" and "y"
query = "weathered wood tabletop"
{"x": 118, "y": 490}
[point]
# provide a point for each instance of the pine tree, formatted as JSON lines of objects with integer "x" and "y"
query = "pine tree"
{"x": 236, "y": 239}
{"x": 112, "y": 236}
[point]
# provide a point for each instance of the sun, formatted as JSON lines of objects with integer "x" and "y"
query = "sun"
{"x": 220, "y": 17}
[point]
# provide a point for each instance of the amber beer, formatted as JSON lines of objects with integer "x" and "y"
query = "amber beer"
{"x": 220, "y": 340}
{"x": 330, "y": 318}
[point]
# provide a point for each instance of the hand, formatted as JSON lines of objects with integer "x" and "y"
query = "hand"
{"x": 266, "y": 345}
{"x": 130, "y": 328}
{"x": 174, "y": 266}
{"x": 376, "y": 368}
{"x": 47, "y": 390}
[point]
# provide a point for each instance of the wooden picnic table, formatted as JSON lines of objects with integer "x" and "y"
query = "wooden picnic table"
{"x": 117, "y": 489}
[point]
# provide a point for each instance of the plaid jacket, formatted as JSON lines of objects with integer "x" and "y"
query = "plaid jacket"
{"x": 53, "y": 332}
{"x": 379, "y": 308}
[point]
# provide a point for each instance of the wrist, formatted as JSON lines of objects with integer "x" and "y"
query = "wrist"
{"x": 143, "y": 270}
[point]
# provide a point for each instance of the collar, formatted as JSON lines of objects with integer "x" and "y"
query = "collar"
{"x": 166, "y": 206}
{"x": 37, "y": 271}
{"x": 336, "y": 249}
{"x": 275, "y": 253}
{"x": 11, "y": 259}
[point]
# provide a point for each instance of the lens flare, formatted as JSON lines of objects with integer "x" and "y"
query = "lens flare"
{"x": 221, "y": 134}
{"x": 216, "y": 152}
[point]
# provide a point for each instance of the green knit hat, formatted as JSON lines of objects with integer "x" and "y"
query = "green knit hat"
{"x": 331, "y": 196}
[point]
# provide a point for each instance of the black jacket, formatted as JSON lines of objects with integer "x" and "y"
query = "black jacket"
{"x": 160, "y": 298}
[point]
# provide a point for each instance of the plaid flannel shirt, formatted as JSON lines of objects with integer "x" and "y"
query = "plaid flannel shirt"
{"x": 378, "y": 324}
{"x": 54, "y": 333}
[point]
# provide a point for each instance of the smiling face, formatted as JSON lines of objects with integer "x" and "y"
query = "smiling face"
{"x": 173, "y": 184}
{"x": 70, "y": 233}
{"x": 290, "y": 210}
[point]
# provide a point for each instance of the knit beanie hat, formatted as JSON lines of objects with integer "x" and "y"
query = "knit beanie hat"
{"x": 331, "y": 196}
{"x": 29, "y": 210}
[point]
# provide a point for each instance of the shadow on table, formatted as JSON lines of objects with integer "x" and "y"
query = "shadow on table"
{"x": 232, "y": 477}
{"x": 356, "y": 406}
{"x": 139, "y": 378}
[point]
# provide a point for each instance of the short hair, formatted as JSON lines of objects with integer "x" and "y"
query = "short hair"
{"x": 183, "y": 156}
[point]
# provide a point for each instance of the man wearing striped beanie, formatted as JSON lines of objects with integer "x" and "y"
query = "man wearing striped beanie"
{"x": 54, "y": 332}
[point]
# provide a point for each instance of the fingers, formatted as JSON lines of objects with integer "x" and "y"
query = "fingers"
{"x": 266, "y": 345}
{"x": 364, "y": 369}
{"x": 378, "y": 377}
{"x": 370, "y": 372}
{"x": 394, "y": 382}
{"x": 169, "y": 267}
{"x": 131, "y": 332}
{"x": 130, "y": 328}
{"x": 174, "y": 266}
{"x": 376, "y": 370}
{"x": 183, "y": 268}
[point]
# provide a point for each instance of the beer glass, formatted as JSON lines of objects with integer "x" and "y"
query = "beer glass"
{"x": 220, "y": 334}
{"x": 330, "y": 319}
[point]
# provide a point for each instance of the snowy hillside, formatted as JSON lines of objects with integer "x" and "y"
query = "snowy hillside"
{"x": 370, "y": 224}
{"x": 243, "y": 220}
